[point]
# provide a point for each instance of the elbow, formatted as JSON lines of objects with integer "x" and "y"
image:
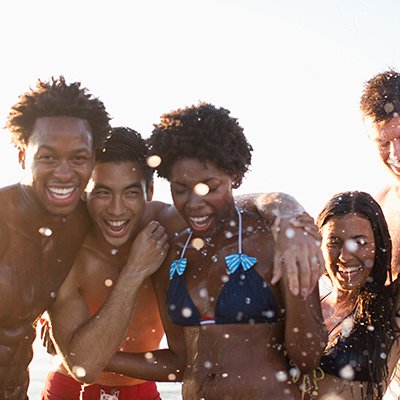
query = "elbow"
{"x": 83, "y": 372}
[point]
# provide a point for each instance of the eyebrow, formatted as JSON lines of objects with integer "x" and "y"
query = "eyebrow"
{"x": 102, "y": 186}
{"x": 47, "y": 147}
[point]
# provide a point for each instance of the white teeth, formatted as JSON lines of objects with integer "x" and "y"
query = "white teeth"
{"x": 116, "y": 224}
{"x": 348, "y": 270}
{"x": 61, "y": 193}
{"x": 199, "y": 220}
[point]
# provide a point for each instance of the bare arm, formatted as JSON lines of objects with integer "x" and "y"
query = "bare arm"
{"x": 88, "y": 342}
{"x": 298, "y": 253}
{"x": 305, "y": 331}
{"x": 165, "y": 365}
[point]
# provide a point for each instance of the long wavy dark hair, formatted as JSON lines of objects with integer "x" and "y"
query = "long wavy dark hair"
{"x": 376, "y": 302}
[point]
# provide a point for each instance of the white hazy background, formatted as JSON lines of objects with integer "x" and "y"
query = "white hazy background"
{"x": 291, "y": 71}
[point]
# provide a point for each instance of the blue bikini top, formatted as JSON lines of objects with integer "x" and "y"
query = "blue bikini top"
{"x": 245, "y": 297}
{"x": 349, "y": 351}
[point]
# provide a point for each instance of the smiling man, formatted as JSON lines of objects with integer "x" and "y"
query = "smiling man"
{"x": 380, "y": 107}
{"x": 109, "y": 277}
{"x": 56, "y": 127}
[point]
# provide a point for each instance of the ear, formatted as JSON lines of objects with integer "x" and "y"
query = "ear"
{"x": 21, "y": 156}
{"x": 84, "y": 196}
{"x": 150, "y": 191}
{"x": 235, "y": 182}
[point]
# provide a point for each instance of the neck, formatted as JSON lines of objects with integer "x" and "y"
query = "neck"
{"x": 33, "y": 209}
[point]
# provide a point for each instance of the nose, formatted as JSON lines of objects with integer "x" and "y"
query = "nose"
{"x": 63, "y": 171}
{"x": 116, "y": 206}
{"x": 395, "y": 149}
{"x": 195, "y": 201}
{"x": 347, "y": 251}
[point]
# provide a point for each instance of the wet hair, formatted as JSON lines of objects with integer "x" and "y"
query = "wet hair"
{"x": 125, "y": 144}
{"x": 203, "y": 132}
{"x": 376, "y": 303}
{"x": 381, "y": 97}
{"x": 57, "y": 98}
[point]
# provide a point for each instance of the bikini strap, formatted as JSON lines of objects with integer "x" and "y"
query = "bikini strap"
{"x": 234, "y": 261}
{"x": 179, "y": 265}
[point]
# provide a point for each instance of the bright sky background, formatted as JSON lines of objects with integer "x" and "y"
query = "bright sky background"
{"x": 291, "y": 71}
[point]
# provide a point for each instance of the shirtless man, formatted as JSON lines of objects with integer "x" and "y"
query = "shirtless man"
{"x": 109, "y": 268}
{"x": 56, "y": 127}
{"x": 380, "y": 107}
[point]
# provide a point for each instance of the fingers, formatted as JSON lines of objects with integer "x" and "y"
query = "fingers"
{"x": 292, "y": 273}
{"x": 278, "y": 268}
{"x": 304, "y": 275}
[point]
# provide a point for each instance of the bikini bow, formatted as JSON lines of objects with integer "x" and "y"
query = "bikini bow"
{"x": 177, "y": 266}
{"x": 233, "y": 261}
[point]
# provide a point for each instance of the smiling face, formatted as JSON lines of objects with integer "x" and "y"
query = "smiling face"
{"x": 117, "y": 200}
{"x": 202, "y": 194}
{"x": 348, "y": 246}
{"x": 386, "y": 136}
{"x": 58, "y": 161}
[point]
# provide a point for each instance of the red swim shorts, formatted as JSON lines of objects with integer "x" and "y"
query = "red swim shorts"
{"x": 62, "y": 387}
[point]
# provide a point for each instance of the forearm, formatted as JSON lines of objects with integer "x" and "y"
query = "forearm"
{"x": 305, "y": 332}
{"x": 160, "y": 365}
{"x": 270, "y": 205}
{"x": 96, "y": 340}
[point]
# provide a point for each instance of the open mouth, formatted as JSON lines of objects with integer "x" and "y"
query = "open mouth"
{"x": 116, "y": 228}
{"x": 201, "y": 224}
{"x": 394, "y": 165}
{"x": 62, "y": 196}
{"x": 348, "y": 272}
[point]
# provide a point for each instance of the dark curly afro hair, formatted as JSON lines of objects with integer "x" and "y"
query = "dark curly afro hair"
{"x": 57, "y": 98}
{"x": 203, "y": 132}
{"x": 381, "y": 97}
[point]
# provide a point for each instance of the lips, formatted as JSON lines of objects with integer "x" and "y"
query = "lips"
{"x": 201, "y": 224}
{"x": 349, "y": 271}
{"x": 61, "y": 195}
{"x": 116, "y": 228}
{"x": 394, "y": 165}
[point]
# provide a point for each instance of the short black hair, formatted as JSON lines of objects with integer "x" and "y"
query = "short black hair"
{"x": 381, "y": 96}
{"x": 57, "y": 98}
{"x": 203, "y": 132}
{"x": 125, "y": 144}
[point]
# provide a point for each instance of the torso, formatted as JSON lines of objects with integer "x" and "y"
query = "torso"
{"x": 389, "y": 200}
{"x": 34, "y": 262}
{"x": 232, "y": 361}
{"x": 100, "y": 269}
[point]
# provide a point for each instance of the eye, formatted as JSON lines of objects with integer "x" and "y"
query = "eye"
{"x": 132, "y": 193}
{"x": 361, "y": 242}
{"x": 333, "y": 243}
{"x": 101, "y": 193}
{"x": 80, "y": 159}
{"x": 46, "y": 157}
{"x": 383, "y": 143}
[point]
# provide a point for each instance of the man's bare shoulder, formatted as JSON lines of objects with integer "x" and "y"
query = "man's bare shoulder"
{"x": 166, "y": 214}
{"x": 390, "y": 191}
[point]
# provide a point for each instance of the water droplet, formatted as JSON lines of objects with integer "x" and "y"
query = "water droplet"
{"x": 148, "y": 355}
{"x": 45, "y": 231}
{"x": 186, "y": 312}
{"x": 289, "y": 232}
{"x": 351, "y": 245}
{"x": 208, "y": 364}
{"x": 198, "y": 243}
{"x": 203, "y": 293}
{"x": 79, "y": 372}
{"x": 171, "y": 377}
{"x": 224, "y": 375}
{"x": 201, "y": 189}
{"x": 153, "y": 161}
{"x": 281, "y": 376}
{"x": 114, "y": 251}
{"x": 228, "y": 234}
{"x": 214, "y": 259}
{"x": 53, "y": 295}
{"x": 108, "y": 282}
{"x": 347, "y": 372}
